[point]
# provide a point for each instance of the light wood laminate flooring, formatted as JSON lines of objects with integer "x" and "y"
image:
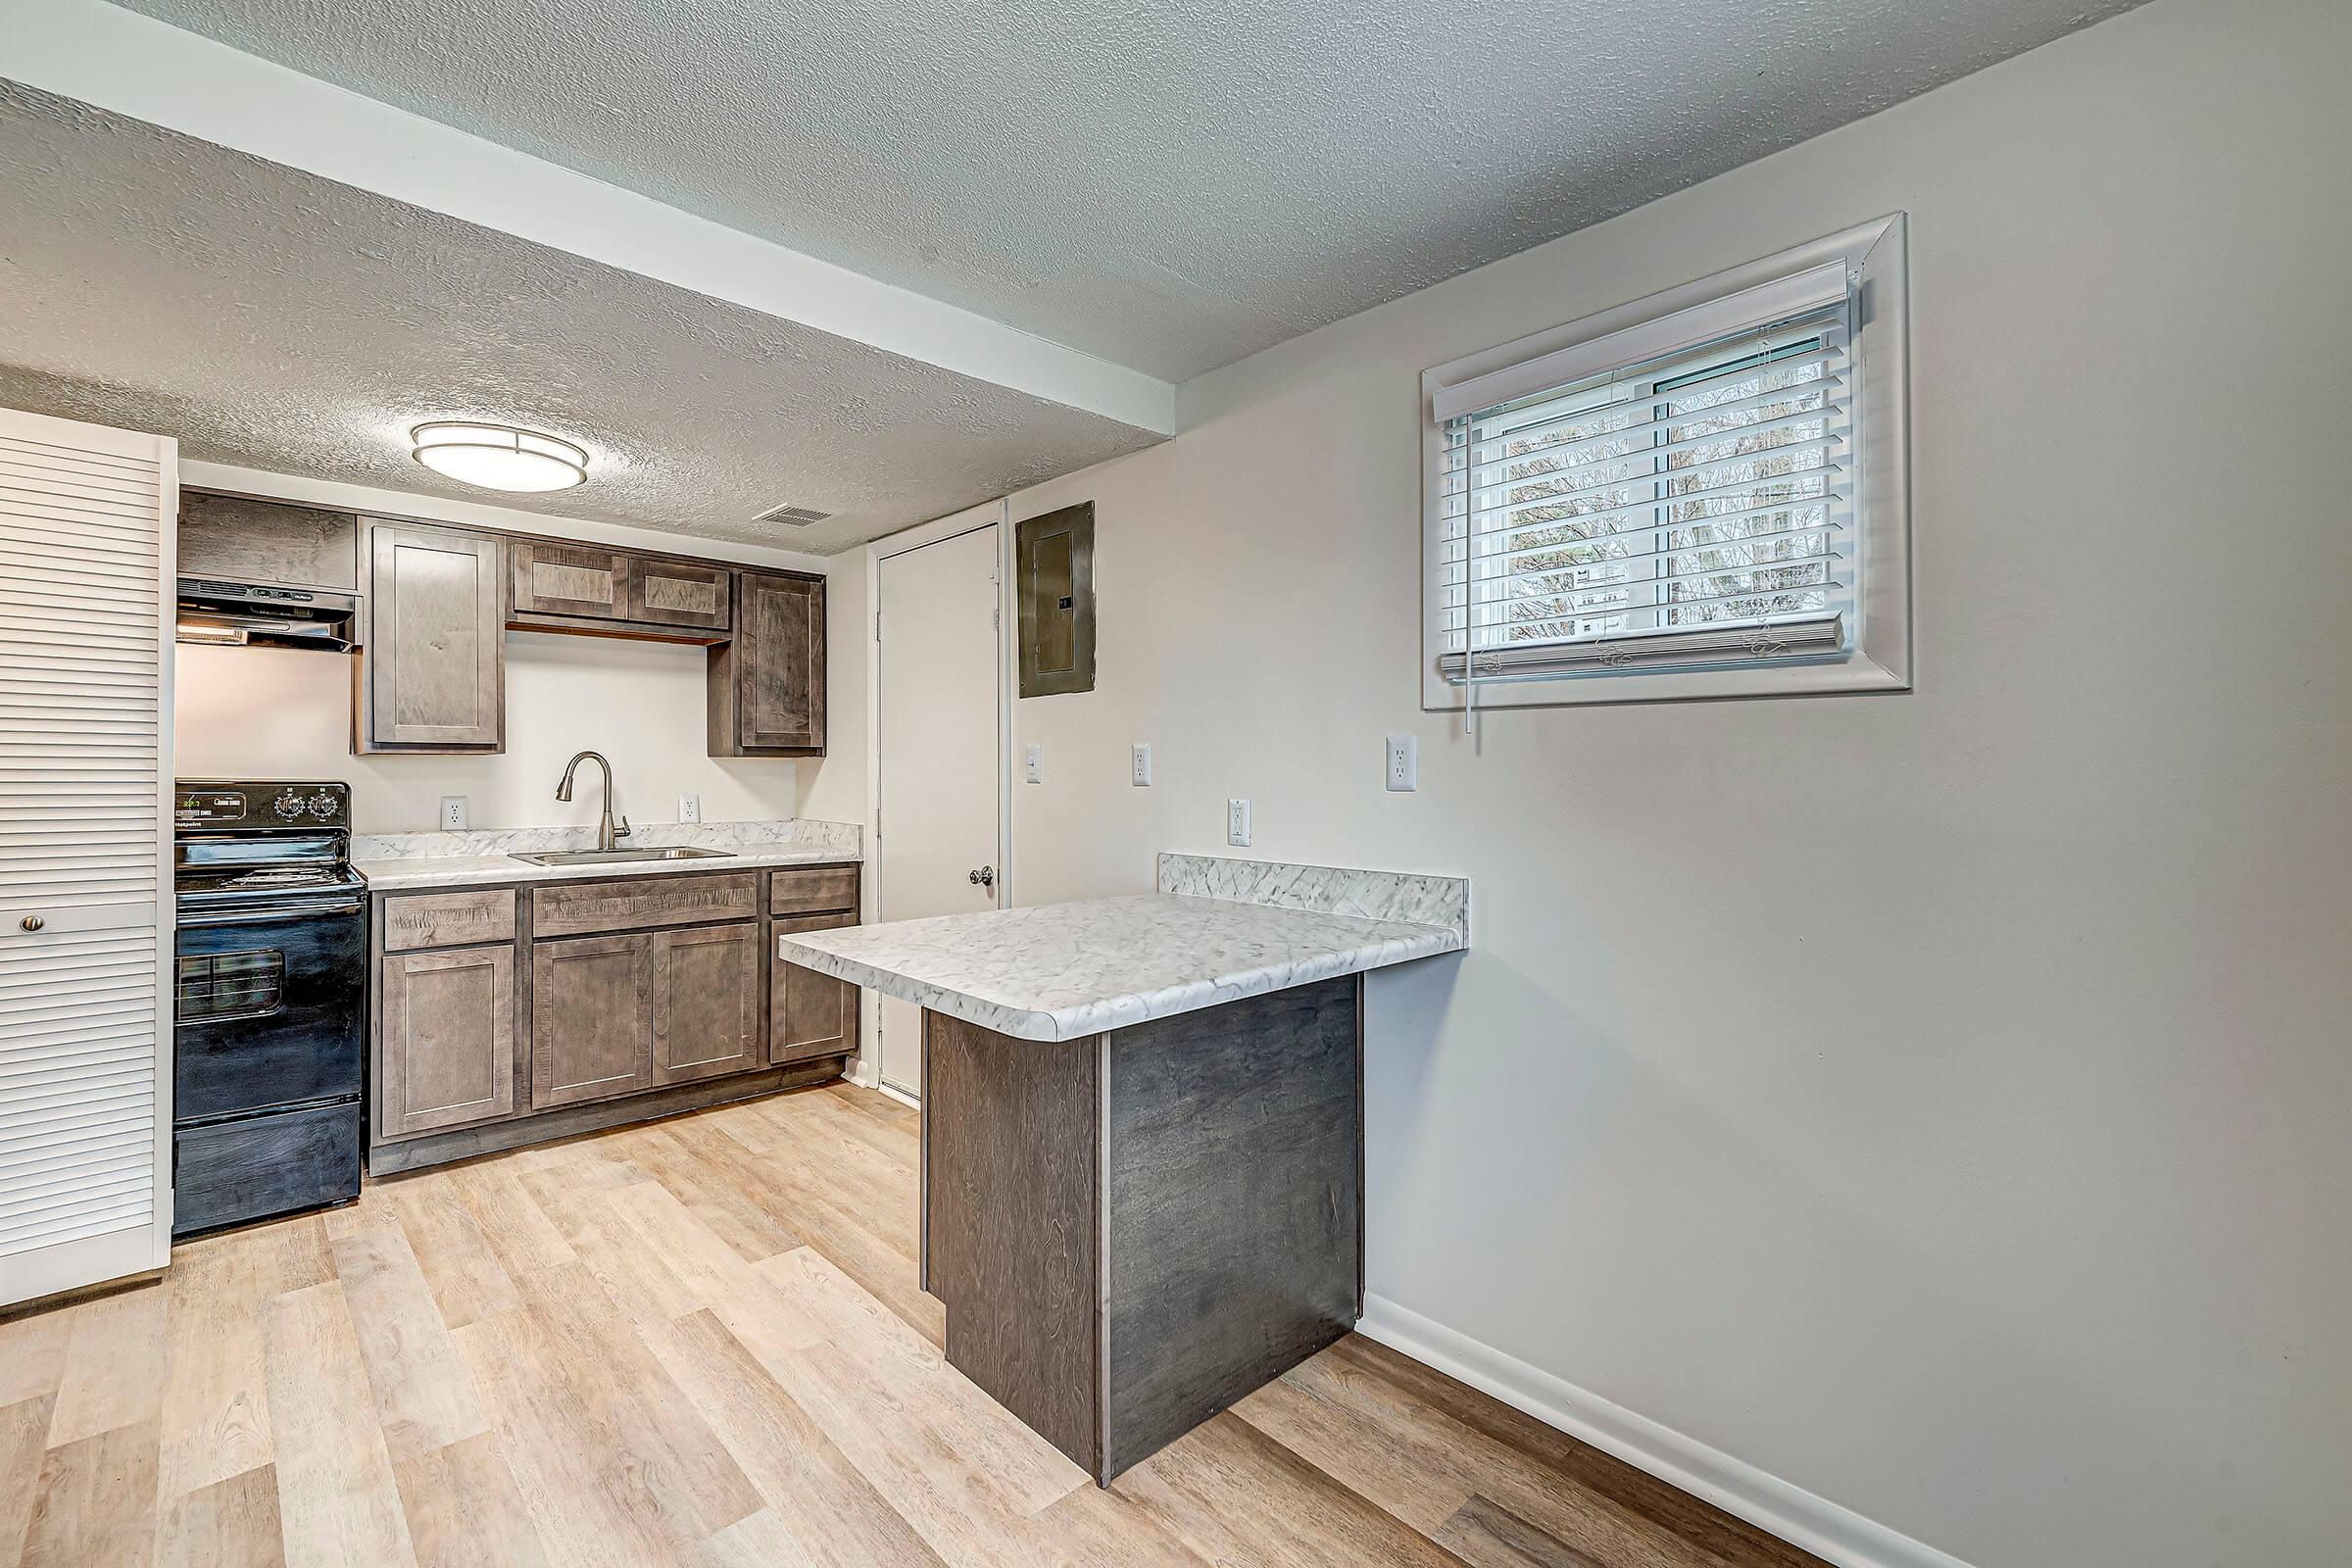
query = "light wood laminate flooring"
{"x": 699, "y": 1342}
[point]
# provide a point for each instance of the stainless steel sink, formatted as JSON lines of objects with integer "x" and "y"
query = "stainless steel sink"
{"x": 609, "y": 856}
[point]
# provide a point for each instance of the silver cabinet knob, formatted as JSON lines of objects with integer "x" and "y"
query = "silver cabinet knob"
{"x": 33, "y": 922}
{"x": 985, "y": 877}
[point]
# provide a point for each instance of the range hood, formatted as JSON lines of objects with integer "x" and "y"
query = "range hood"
{"x": 241, "y": 614}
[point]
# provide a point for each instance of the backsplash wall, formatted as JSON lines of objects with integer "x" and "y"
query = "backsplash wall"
{"x": 255, "y": 713}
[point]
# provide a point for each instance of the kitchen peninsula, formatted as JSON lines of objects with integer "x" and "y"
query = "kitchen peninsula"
{"x": 1142, "y": 1132}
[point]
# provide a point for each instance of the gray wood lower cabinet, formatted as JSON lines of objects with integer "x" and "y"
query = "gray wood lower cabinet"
{"x": 446, "y": 1043}
{"x": 706, "y": 1001}
{"x": 592, "y": 1017}
{"x": 508, "y": 1013}
{"x": 1133, "y": 1231}
{"x": 811, "y": 1014}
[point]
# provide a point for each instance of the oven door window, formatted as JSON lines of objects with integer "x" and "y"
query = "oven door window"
{"x": 214, "y": 986}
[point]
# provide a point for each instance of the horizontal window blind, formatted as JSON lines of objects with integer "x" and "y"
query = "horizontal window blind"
{"x": 1691, "y": 510}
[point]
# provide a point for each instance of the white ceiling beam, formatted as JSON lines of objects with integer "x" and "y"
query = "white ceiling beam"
{"x": 136, "y": 66}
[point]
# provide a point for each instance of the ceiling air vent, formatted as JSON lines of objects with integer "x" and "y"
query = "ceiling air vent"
{"x": 793, "y": 517}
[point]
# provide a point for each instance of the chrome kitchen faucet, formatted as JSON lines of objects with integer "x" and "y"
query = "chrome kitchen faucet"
{"x": 606, "y": 835}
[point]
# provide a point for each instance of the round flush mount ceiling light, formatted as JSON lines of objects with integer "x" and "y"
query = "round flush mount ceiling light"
{"x": 497, "y": 457}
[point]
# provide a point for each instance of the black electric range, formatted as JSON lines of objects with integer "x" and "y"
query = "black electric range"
{"x": 269, "y": 1001}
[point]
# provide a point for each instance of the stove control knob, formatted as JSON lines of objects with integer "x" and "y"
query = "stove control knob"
{"x": 322, "y": 806}
{"x": 288, "y": 804}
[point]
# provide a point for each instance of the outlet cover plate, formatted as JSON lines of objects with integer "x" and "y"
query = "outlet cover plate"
{"x": 1237, "y": 823}
{"x": 1140, "y": 763}
{"x": 1403, "y": 771}
{"x": 690, "y": 808}
{"x": 453, "y": 813}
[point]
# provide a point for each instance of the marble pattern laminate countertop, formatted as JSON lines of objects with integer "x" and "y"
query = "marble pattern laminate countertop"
{"x": 1060, "y": 971}
{"x": 461, "y": 870}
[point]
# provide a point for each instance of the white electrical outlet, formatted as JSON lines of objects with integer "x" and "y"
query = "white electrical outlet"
{"x": 1140, "y": 763}
{"x": 690, "y": 808}
{"x": 1404, "y": 763}
{"x": 1237, "y": 822}
{"x": 1036, "y": 765}
{"x": 453, "y": 813}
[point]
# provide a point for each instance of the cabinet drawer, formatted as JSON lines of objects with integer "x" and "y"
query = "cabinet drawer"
{"x": 635, "y": 903}
{"x": 448, "y": 919}
{"x": 679, "y": 593}
{"x": 817, "y": 889}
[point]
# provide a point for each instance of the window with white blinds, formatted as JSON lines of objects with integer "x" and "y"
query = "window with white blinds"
{"x": 1681, "y": 494}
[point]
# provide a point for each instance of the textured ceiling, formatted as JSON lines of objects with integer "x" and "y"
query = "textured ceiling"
{"x": 275, "y": 320}
{"x": 1170, "y": 184}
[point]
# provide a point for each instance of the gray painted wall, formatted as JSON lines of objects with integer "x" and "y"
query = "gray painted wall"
{"x": 2000, "y": 1194}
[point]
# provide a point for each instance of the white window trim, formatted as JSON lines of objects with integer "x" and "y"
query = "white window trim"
{"x": 1881, "y": 660}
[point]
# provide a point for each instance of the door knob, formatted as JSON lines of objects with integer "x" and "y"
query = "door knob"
{"x": 985, "y": 877}
{"x": 33, "y": 922}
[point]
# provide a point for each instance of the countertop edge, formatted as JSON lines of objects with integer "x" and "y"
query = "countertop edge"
{"x": 1081, "y": 1020}
{"x": 458, "y": 871}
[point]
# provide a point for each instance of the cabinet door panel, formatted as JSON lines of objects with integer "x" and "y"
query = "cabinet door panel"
{"x": 592, "y": 1018}
{"x": 435, "y": 652}
{"x": 553, "y": 579}
{"x": 446, "y": 1045}
{"x": 706, "y": 1001}
{"x": 679, "y": 593}
{"x": 767, "y": 685}
{"x": 810, "y": 1014}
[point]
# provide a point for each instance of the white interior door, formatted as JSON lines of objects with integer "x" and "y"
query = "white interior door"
{"x": 85, "y": 891}
{"x": 939, "y": 770}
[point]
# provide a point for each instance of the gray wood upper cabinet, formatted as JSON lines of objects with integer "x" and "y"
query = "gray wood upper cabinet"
{"x": 234, "y": 539}
{"x": 571, "y": 587}
{"x": 706, "y": 1001}
{"x": 433, "y": 670}
{"x": 811, "y": 1014}
{"x": 767, "y": 686}
{"x": 553, "y": 579}
{"x": 680, "y": 593}
{"x": 446, "y": 1045}
{"x": 592, "y": 1017}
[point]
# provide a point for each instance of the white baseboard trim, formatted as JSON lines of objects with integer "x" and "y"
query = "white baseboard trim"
{"x": 1795, "y": 1515}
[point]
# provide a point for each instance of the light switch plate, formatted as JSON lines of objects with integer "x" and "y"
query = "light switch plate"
{"x": 1404, "y": 763}
{"x": 1140, "y": 763}
{"x": 1036, "y": 763}
{"x": 1237, "y": 823}
{"x": 453, "y": 813}
{"x": 690, "y": 808}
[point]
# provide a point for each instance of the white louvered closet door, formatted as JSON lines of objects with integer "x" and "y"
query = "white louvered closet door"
{"x": 87, "y": 589}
